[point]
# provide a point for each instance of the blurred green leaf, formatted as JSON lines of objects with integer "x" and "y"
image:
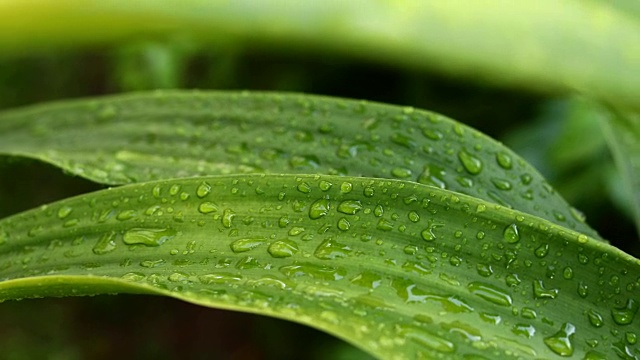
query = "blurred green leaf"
{"x": 585, "y": 46}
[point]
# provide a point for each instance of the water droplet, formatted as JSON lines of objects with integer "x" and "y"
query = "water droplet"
{"x": 501, "y": 184}
{"x": 525, "y": 330}
{"x": 413, "y": 216}
{"x": 432, "y": 134}
{"x": 332, "y": 249}
{"x": 242, "y": 245}
{"x": 542, "y": 250}
{"x": 64, "y": 211}
{"x": 561, "y": 342}
{"x": 490, "y": 293}
{"x": 319, "y": 209}
{"x": 296, "y": 230}
{"x": 207, "y": 208}
{"x": 319, "y": 272}
{"x": 401, "y": 173}
{"x": 595, "y": 318}
{"x": 367, "y": 279}
{"x": 304, "y": 188}
{"x": 283, "y": 248}
{"x": 511, "y": 234}
{"x": 346, "y": 187}
{"x": 106, "y": 244}
{"x": 472, "y": 164}
{"x": 567, "y": 273}
{"x": 126, "y": 215}
{"x": 4, "y": 237}
{"x": 227, "y": 218}
{"x": 512, "y": 280}
{"x": 504, "y": 160}
{"x": 344, "y": 224}
{"x": 540, "y": 292}
{"x": 384, "y": 225}
{"x": 220, "y": 278}
{"x": 148, "y": 237}
{"x": 325, "y": 185}
{"x": 624, "y": 315}
{"x": 433, "y": 175}
{"x": 368, "y": 191}
{"x": 484, "y": 270}
{"x": 203, "y": 189}
{"x": 178, "y": 277}
{"x": 427, "y": 339}
{"x": 350, "y": 207}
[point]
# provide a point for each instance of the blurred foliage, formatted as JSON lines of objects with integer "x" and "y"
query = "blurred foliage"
{"x": 560, "y": 136}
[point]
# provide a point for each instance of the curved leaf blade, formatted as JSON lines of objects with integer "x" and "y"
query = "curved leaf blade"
{"x": 400, "y": 269}
{"x": 587, "y": 46}
{"x": 142, "y": 137}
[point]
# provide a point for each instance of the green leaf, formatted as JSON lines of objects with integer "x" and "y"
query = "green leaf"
{"x": 622, "y": 131}
{"x": 152, "y": 136}
{"x": 400, "y": 269}
{"x": 585, "y": 46}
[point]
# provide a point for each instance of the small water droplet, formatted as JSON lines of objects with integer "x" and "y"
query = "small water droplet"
{"x": 595, "y": 319}
{"x": 401, "y": 173}
{"x": 432, "y": 134}
{"x": 242, "y": 245}
{"x": 542, "y": 250}
{"x": 203, "y": 189}
{"x": 126, "y": 215}
{"x": 350, "y": 207}
{"x": 283, "y": 248}
{"x": 319, "y": 209}
{"x": 64, "y": 211}
{"x": 227, "y": 218}
{"x": 490, "y": 293}
{"x": 368, "y": 191}
{"x": 207, "y": 208}
{"x": 484, "y": 270}
{"x": 325, "y": 185}
{"x": 4, "y": 237}
{"x": 346, "y": 187}
{"x": 504, "y": 160}
{"x": 561, "y": 342}
{"x": 148, "y": 237}
{"x": 344, "y": 224}
{"x": 413, "y": 216}
{"x": 511, "y": 234}
{"x": 472, "y": 164}
{"x": 501, "y": 184}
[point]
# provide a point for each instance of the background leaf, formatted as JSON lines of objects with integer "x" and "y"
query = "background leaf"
{"x": 384, "y": 264}
{"x": 585, "y": 46}
{"x": 144, "y": 137}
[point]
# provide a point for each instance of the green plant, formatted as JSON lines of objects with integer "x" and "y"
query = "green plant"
{"x": 398, "y": 230}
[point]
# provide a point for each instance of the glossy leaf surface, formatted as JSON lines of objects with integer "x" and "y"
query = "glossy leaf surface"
{"x": 152, "y": 136}
{"x": 400, "y": 269}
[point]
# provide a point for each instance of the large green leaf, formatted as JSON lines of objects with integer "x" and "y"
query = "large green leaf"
{"x": 142, "y": 137}
{"x": 400, "y": 269}
{"x": 588, "y": 46}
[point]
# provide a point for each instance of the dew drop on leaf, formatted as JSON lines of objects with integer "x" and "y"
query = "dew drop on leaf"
{"x": 472, "y": 164}
{"x": 595, "y": 319}
{"x": 511, "y": 234}
{"x": 504, "y": 160}
{"x": 332, "y": 249}
{"x": 203, "y": 189}
{"x": 304, "y": 188}
{"x": 401, "y": 173}
{"x": 106, "y": 243}
{"x": 243, "y": 245}
{"x": 148, "y": 237}
{"x": 64, "y": 211}
{"x": 540, "y": 292}
{"x": 350, "y": 207}
{"x": 207, "y": 208}
{"x": 282, "y": 248}
{"x": 561, "y": 342}
{"x": 625, "y": 315}
{"x": 227, "y": 218}
{"x": 319, "y": 209}
{"x": 490, "y": 293}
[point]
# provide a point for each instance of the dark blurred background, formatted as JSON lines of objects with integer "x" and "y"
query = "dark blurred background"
{"x": 558, "y": 135}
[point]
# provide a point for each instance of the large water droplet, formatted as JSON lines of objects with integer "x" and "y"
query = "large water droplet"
{"x": 540, "y": 292}
{"x": 561, "y": 342}
{"x": 207, "y": 208}
{"x": 472, "y": 164}
{"x": 350, "y": 207}
{"x": 332, "y": 249}
{"x": 319, "y": 209}
{"x": 203, "y": 189}
{"x": 148, "y": 237}
{"x": 624, "y": 315}
{"x": 283, "y": 248}
{"x": 242, "y": 245}
{"x": 490, "y": 293}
